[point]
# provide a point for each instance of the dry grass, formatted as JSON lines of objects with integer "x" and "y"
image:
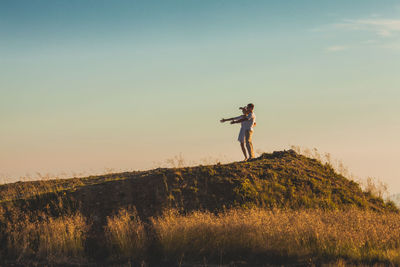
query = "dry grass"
{"x": 252, "y": 235}
{"x": 354, "y": 235}
{"x": 53, "y": 240}
{"x": 369, "y": 184}
{"x": 126, "y": 234}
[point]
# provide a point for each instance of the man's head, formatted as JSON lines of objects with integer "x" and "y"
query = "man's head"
{"x": 250, "y": 107}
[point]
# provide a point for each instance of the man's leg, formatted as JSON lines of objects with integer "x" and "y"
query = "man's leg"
{"x": 249, "y": 144}
{"x": 244, "y": 150}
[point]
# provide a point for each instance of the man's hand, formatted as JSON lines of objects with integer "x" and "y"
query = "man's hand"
{"x": 223, "y": 120}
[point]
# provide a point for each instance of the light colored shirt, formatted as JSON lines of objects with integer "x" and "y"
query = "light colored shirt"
{"x": 239, "y": 118}
{"x": 249, "y": 122}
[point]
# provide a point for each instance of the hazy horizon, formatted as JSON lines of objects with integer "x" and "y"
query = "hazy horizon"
{"x": 90, "y": 85}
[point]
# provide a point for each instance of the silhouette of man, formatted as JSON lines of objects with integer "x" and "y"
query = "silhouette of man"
{"x": 248, "y": 121}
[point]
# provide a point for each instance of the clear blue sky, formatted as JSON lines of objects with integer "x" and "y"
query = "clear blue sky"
{"x": 89, "y": 85}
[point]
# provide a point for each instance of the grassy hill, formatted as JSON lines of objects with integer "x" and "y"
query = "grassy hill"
{"x": 281, "y": 179}
{"x": 284, "y": 180}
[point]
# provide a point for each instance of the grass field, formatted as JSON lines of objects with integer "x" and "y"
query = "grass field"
{"x": 237, "y": 235}
{"x": 304, "y": 235}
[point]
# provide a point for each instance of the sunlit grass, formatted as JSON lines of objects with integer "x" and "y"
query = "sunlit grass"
{"x": 126, "y": 235}
{"x": 354, "y": 235}
{"x": 252, "y": 235}
{"x": 52, "y": 239}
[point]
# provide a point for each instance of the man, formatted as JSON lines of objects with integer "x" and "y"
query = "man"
{"x": 248, "y": 121}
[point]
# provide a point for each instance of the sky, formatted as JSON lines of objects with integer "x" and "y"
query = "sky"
{"x": 90, "y": 86}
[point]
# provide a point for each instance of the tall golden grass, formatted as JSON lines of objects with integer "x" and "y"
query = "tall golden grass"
{"x": 353, "y": 235}
{"x": 252, "y": 235}
{"x": 50, "y": 239}
{"x": 126, "y": 235}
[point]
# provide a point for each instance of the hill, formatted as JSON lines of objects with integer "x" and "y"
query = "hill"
{"x": 280, "y": 179}
{"x": 86, "y": 210}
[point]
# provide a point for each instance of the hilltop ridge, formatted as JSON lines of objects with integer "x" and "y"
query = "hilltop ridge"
{"x": 282, "y": 179}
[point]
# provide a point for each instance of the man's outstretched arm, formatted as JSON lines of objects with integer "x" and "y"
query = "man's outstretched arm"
{"x": 242, "y": 118}
{"x": 239, "y": 121}
{"x": 231, "y": 119}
